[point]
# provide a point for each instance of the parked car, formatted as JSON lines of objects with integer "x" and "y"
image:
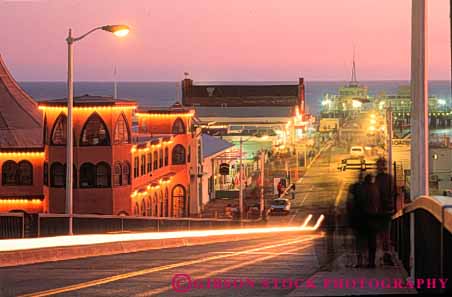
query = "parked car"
{"x": 352, "y": 163}
{"x": 280, "y": 206}
{"x": 357, "y": 152}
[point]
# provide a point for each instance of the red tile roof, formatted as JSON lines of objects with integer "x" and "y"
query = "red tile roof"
{"x": 20, "y": 118}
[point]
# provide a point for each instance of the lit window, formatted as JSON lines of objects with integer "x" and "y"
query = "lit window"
{"x": 143, "y": 165}
{"x": 103, "y": 175}
{"x": 149, "y": 163}
{"x": 57, "y": 175}
{"x": 125, "y": 173}
{"x": 156, "y": 160}
{"x": 166, "y": 156}
{"x": 178, "y": 126}
{"x": 117, "y": 174}
{"x": 59, "y": 131}
{"x": 179, "y": 201}
{"x": 25, "y": 173}
{"x": 95, "y": 132}
{"x": 9, "y": 173}
{"x": 88, "y": 175}
{"x": 178, "y": 155}
{"x": 122, "y": 134}
{"x": 135, "y": 167}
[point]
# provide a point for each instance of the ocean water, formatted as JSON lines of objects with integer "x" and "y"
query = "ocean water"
{"x": 166, "y": 93}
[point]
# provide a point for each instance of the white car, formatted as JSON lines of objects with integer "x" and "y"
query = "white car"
{"x": 280, "y": 206}
{"x": 357, "y": 152}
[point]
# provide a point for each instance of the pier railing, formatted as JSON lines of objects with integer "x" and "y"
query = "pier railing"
{"x": 12, "y": 224}
{"x": 432, "y": 237}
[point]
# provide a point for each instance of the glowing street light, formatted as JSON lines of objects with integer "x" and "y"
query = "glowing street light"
{"x": 118, "y": 30}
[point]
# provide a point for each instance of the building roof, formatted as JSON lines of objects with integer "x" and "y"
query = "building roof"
{"x": 90, "y": 100}
{"x": 176, "y": 108}
{"x": 241, "y": 95}
{"x": 20, "y": 118}
{"x": 243, "y": 91}
{"x": 212, "y": 145}
{"x": 244, "y": 111}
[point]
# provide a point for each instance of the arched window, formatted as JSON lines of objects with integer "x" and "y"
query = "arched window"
{"x": 125, "y": 173}
{"x": 122, "y": 134}
{"x": 178, "y": 126}
{"x": 103, "y": 174}
{"x": 161, "y": 158}
{"x": 95, "y": 131}
{"x": 179, "y": 201}
{"x": 166, "y": 204}
{"x": 188, "y": 154}
{"x": 57, "y": 175}
{"x": 156, "y": 160}
{"x": 88, "y": 175}
{"x": 25, "y": 173}
{"x": 155, "y": 210}
{"x": 166, "y": 156}
{"x": 117, "y": 174}
{"x": 148, "y": 204}
{"x": 59, "y": 130}
{"x": 136, "y": 209}
{"x": 143, "y": 208}
{"x": 162, "y": 206}
{"x": 178, "y": 156}
{"x": 9, "y": 173}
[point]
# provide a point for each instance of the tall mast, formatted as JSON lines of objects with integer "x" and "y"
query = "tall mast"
{"x": 354, "y": 80}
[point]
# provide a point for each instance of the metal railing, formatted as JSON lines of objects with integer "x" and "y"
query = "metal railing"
{"x": 12, "y": 225}
{"x": 57, "y": 224}
{"x": 432, "y": 237}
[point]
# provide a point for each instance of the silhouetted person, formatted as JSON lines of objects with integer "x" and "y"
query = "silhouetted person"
{"x": 356, "y": 209}
{"x": 384, "y": 183}
{"x": 372, "y": 210}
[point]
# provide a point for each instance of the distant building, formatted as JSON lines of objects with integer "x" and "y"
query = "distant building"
{"x": 244, "y": 95}
{"x": 439, "y": 109}
{"x": 273, "y": 114}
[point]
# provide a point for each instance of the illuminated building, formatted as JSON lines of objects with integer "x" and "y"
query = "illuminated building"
{"x": 272, "y": 115}
{"x": 153, "y": 170}
{"x": 21, "y": 151}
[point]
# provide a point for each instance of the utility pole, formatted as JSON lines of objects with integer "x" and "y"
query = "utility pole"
{"x": 390, "y": 135}
{"x": 241, "y": 179}
{"x": 419, "y": 114}
{"x": 261, "y": 204}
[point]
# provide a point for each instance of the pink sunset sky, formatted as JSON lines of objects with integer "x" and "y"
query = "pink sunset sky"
{"x": 230, "y": 40}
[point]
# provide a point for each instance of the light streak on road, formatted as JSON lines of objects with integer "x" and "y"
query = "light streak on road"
{"x": 8, "y": 245}
{"x": 137, "y": 273}
{"x": 227, "y": 269}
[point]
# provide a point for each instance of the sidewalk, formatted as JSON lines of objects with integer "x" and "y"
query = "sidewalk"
{"x": 368, "y": 281}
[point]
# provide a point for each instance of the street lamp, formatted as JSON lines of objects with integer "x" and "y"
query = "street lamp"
{"x": 118, "y": 30}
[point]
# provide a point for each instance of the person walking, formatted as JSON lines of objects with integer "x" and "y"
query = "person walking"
{"x": 372, "y": 210}
{"x": 292, "y": 192}
{"x": 384, "y": 182}
{"x": 356, "y": 210}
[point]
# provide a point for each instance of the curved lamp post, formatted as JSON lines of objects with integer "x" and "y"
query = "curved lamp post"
{"x": 118, "y": 30}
